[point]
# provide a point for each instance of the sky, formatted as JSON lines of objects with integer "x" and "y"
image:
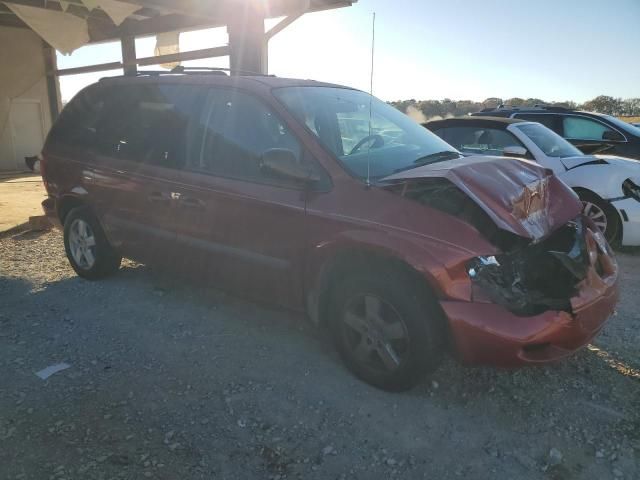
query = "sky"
{"x": 554, "y": 50}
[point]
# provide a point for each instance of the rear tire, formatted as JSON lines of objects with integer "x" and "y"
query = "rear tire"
{"x": 387, "y": 328}
{"x": 604, "y": 215}
{"x": 87, "y": 247}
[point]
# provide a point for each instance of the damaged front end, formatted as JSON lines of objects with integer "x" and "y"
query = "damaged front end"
{"x": 548, "y": 254}
{"x": 541, "y": 276}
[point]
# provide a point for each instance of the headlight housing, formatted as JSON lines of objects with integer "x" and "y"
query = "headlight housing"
{"x": 630, "y": 189}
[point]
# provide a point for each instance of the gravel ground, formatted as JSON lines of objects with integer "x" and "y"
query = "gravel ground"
{"x": 173, "y": 381}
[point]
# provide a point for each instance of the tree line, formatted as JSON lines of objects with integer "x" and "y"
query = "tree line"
{"x": 428, "y": 109}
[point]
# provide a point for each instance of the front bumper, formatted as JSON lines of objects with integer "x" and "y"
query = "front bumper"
{"x": 488, "y": 333}
{"x": 485, "y": 333}
{"x": 629, "y": 211}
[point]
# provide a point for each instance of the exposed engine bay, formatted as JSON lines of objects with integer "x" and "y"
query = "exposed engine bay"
{"x": 539, "y": 277}
{"x": 530, "y": 276}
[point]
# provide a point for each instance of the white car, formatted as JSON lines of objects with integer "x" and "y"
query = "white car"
{"x": 608, "y": 186}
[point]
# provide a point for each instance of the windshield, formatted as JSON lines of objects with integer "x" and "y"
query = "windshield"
{"x": 627, "y": 127}
{"x": 551, "y": 144}
{"x": 340, "y": 118}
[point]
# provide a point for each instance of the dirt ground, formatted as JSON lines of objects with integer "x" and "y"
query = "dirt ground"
{"x": 20, "y": 198}
{"x": 169, "y": 380}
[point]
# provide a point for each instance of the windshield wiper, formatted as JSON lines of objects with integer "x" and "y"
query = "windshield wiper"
{"x": 431, "y": 158}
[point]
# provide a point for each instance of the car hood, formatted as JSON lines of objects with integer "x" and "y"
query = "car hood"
{"x": 519, "y": 196}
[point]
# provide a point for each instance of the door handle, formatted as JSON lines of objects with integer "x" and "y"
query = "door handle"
{"x": 158, "y": 197}
{"x": 191, "y": 202}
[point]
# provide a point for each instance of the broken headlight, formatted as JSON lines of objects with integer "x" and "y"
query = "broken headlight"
{"x": 475, "y": 265}
{"x": 630, "y": 189}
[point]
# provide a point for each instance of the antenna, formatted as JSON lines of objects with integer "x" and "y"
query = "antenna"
{"x": 373, "y": 45}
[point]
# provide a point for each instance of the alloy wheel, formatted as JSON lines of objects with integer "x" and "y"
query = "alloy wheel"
{"x": 375, "y": 333}
{"x": 82, "y": 243}
{"x": 596, "y": 214}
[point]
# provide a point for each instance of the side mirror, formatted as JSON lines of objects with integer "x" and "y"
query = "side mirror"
{"x": 515, "y": 151}
{"x": 284, "y": 163}
{"x": 612, "y": 136}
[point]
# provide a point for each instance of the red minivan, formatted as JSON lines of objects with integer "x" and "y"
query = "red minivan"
{"x": 324, "y": 199}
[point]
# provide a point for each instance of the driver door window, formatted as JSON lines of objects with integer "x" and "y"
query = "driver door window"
{"x": 238, "y": 130}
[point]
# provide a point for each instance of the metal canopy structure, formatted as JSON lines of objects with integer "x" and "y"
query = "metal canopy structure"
{"x": 158, "y": 16}
{"x": 244, "y": 20}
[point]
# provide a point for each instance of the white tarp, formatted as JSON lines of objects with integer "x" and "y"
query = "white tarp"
{"x": 166, "y": 44}
{"x": 117, "y": 11}
{"x": 63, "y": 31}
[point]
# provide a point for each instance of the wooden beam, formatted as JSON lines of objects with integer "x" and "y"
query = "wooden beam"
{"x": 281, "y": 25}
{"x": 184, "y": 56}
{"x": 101, "y": 67}
{"x": 146, "y": 61}
{"x": 53, "y": 92}
{"x": 247, "y": 42}
{"x": 128, "y": 46}
{"x": 99, "y": 32}
{"x": 222, "y": 11}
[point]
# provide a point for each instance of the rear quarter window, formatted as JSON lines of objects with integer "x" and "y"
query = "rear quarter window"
{"x": 77, "y": 123}
{"x": 147, "y": 123}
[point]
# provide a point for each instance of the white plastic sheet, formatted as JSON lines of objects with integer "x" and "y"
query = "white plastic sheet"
{"x": 51, "y": 370}
{"x": 117, "y": 11}
{"x": 166, "y": 44}
{"x": 63, "y": 31}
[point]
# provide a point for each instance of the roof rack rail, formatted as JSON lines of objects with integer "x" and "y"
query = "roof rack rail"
{"x": 537, "y": 106}
{"x": 502, "y": 106}
{"x": 217, "y": 70}
{"x": 180, "y": 70}
{"x": 553, "y": 108}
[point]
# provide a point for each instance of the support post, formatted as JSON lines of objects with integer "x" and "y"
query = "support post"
{"x": 129, "y": 63}
{"x": 53, "y": 92}
{"x": 247, "y": 42}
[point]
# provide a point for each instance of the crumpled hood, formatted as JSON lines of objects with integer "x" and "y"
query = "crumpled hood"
{"x": 519, "y": 196}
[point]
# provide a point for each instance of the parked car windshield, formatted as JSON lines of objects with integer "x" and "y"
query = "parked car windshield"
{"x": 371, "y": 138}
{"x": 551, "y": 144}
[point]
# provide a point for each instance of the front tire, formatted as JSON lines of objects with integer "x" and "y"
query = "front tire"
{"x": 387, "y": 328}
{"x": 87, "y": 247}
{"x": 603, "y": 215}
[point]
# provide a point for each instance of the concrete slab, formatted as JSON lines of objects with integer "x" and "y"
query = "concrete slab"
{"x": 20, "y": 198}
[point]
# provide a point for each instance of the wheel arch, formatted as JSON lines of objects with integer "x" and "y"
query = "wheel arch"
{"x": 612, "y": 207}
{"x": 349, "y": 259}
{"x": 66, "y": 203}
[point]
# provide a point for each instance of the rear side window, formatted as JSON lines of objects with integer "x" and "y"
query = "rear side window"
{"x": 77, "y": 122}
{"x": 140, "y": 123}
{"x": 238, "y": 130}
